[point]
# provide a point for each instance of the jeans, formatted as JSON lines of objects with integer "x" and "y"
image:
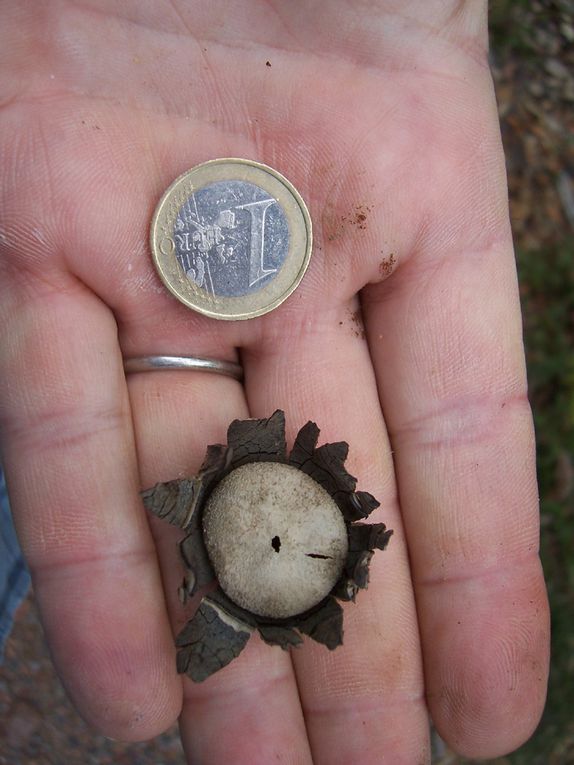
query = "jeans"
{"x": 14, "y": 576}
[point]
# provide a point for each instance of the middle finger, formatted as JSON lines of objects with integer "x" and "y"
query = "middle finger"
{"x": 363, "y": 702}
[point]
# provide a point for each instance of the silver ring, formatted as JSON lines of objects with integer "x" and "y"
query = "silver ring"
{"x": 153, "y": 363}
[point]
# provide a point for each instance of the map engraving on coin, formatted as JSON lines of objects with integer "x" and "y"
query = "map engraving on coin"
{"x": 231, "y": 238}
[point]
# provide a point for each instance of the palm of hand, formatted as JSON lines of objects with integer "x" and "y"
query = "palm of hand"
{"x": 387, "y": 126}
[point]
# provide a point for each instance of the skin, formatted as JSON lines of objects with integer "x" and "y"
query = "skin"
{"x": 404, "y": 339}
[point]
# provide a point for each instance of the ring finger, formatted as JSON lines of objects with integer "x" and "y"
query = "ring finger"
{"x": 249, "y": 711}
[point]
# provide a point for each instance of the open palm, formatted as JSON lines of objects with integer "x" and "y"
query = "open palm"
{"x": 403, "y": 339}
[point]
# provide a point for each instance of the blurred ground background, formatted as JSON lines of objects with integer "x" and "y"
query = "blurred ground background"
{"x": 532, "y": 51}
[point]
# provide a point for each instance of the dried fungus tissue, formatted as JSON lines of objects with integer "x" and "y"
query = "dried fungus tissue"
{"x": 278, "y": 537}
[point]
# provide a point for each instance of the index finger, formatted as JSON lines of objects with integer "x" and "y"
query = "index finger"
{"x": 445, "y": 338}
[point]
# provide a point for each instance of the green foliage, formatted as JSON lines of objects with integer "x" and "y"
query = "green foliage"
{"x": 509, "y": 29}
{"x": 514, "y": 25}
{"x": 547, "y": 286}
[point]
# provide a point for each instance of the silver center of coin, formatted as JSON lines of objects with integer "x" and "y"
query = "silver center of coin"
{"x": 231, "y": 238}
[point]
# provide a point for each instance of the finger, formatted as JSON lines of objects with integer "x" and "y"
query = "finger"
{"x": 248, "y": 712}
{"x": 70, "y": 460}
{"x": 446, "y": 343}
{"x": 364, "y": 701}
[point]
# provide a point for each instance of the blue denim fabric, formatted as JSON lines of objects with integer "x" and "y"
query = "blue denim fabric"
{"x": 14, "y": 576}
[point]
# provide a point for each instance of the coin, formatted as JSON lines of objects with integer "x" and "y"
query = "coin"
{"x": 231, "y": 238}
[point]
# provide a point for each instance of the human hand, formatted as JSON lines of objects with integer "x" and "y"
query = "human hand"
{"x": 403, "y": 339}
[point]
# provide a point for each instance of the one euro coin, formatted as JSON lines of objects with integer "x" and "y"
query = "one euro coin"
{"x": 231, "y": 238}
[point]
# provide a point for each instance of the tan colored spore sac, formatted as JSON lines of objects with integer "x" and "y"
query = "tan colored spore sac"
{"x": 276, "y": 539}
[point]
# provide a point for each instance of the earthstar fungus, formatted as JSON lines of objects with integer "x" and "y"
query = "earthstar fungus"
{"x": 279, "y": 537}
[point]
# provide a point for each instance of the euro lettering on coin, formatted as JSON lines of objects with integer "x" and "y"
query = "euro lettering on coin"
{"x": 231, "y": 238}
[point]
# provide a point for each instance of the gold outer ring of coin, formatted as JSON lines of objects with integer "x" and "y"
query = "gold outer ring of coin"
{"x": 290, "y": 273}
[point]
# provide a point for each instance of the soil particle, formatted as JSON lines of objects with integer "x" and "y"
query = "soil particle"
{"x": 387, "y": 266}
{"x": 358, "y": 216}
{"x": 357, "y": 326}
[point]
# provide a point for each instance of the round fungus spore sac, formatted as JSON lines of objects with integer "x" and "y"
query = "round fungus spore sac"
{"x": 274, "y": 542}
{"x": 276, "y": 538}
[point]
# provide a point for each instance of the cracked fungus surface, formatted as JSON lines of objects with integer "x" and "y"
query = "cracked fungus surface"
{"x": 276, "y": 539}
